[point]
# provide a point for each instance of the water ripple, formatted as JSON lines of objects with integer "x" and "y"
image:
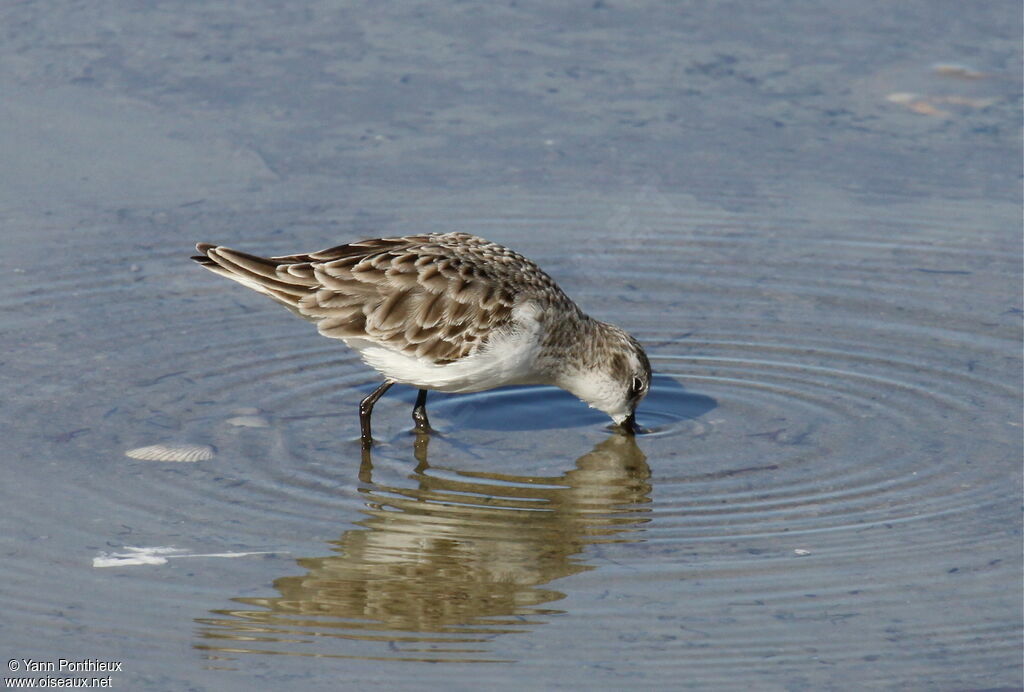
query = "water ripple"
{"x": 825, "y": 426}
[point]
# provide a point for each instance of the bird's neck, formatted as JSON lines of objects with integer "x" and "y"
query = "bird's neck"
{"x": 580, "y": 343}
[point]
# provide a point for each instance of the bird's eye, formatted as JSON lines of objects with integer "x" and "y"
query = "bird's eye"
{"x": 637, "y": 386}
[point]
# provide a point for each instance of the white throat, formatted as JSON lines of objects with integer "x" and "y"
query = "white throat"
{"x": 598, "y": 390}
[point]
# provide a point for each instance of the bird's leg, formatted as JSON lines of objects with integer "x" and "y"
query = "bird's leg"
{"x": 419, "y": 413}
{"x": 366, "y": 408}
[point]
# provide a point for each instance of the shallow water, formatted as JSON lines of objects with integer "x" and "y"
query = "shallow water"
{"x": 826, "y": 276}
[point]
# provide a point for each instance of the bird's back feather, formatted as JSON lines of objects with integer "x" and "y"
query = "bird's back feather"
{"x": 438, "y": 296}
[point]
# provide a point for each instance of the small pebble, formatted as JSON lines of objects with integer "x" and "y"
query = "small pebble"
{"x": 960, "y": 71}
{"x": 249, "y": 422}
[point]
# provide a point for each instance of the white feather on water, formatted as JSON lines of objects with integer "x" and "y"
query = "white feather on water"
{"x": 157, "y": 555}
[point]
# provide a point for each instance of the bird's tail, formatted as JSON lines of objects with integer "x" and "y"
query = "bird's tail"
{"x": 282, "y": 279}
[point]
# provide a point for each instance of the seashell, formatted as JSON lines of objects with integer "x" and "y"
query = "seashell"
{"x": 172, "y": 452}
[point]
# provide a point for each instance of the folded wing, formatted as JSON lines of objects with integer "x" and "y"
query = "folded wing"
{"x": 416, "y": 295}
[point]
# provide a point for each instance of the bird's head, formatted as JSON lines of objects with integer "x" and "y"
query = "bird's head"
{"x": 615, "y": 378}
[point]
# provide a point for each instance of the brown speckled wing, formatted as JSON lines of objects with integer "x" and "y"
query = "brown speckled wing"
{"x": 435, "y": 296}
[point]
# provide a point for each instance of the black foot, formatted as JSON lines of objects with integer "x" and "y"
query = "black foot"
{"x": 419, "y": 413}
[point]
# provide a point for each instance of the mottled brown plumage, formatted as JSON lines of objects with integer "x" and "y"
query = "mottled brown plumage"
{"x": 450, "y": 312}
{"x": 434, "y": 296}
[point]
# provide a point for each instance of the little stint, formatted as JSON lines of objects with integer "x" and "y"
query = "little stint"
{"x": 449, "y": 312}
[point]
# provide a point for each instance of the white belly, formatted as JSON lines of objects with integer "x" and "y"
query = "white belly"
{"x": 506, "y": 359}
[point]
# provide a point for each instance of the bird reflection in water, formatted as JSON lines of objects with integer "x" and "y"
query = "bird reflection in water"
{"x": 440, "y": 568}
